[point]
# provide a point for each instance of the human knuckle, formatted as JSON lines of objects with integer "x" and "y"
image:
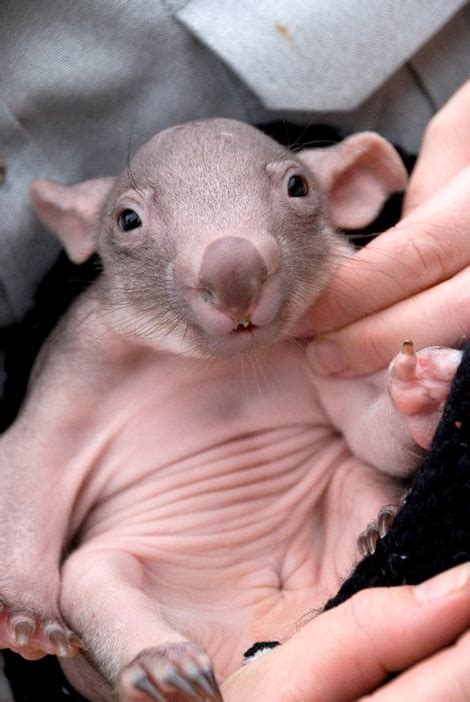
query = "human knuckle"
{"x": 452, "y": 309}
{"x": 455, "y": 318}
{"x": 426, "y": 257}
{"x": 366, "y": 610}
{"x": 361, "y": 611}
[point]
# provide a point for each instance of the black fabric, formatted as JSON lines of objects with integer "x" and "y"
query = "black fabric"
{"x": 38, "y": 681}
{"x": 259, "y": 646}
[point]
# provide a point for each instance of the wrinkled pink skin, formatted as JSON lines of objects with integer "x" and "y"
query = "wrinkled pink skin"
{"x": 205, "y": 486}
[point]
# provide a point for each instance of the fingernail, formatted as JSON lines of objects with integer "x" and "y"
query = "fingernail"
{"x": 444, "y": 584}
{"x": 326, "y": 357}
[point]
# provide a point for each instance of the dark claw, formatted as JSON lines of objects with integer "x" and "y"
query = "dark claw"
{"x": 408, "y": 348}
{"x": 179, "y": 683}
{"x": 372, "y": 539}
{"x": 385, "y": 519}
{"x": 361, "y": 545}
{"x": 368, "y": 540}
{"x": 23, "y": 629}
{"x": 214, "y": 686}
{"x": 201, "y": 680}
{"x": 181, "y": 669}
{"x": 76, "y": 642}
{"x": 144, "y": 685}
{"x": 59, "y": 640}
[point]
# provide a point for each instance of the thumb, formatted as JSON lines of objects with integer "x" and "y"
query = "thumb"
{"x": 349, "y": 651}
{"x": 444, "y": 151}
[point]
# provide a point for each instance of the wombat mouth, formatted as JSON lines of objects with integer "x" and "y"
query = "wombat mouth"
{"x": 243, "y": 327}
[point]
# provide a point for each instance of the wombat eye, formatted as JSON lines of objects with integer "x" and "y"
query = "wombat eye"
{"x": 128, "y": 219}
{"x": 297, "y": 186}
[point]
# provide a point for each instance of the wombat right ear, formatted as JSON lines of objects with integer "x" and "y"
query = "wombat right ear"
{"x": 72, "y": 212}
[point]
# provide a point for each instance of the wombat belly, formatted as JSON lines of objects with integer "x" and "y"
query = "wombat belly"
{"x": 238, "y": 551}
{"x": 222, "y": 484}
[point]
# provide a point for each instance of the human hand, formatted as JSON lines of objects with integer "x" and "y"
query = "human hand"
{"x": 348, "y": 653}
{"x": 413, "y": 280}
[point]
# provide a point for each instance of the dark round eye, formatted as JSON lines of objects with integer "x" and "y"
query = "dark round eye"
{"x": 297, "y": 186}
{"x": 128, "y": 219}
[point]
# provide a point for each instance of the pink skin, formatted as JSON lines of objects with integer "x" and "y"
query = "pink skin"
{"x": 209, "y": 487}
{"x": 419, "y": 385}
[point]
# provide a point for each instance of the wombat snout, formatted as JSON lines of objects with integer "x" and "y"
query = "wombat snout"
{"x": 232, "y": 273}
{"x": 238, "y": 286}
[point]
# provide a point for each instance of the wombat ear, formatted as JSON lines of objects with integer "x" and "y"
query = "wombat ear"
{"x": 357, "y": 176}
{"x": 72, "y": 212}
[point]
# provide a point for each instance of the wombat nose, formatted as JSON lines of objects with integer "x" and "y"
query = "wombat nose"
{"x": 231, "y": 275}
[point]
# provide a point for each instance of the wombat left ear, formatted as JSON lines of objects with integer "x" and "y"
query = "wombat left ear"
{"x": 72, "y": 212}
{"x": 357, "y": 176}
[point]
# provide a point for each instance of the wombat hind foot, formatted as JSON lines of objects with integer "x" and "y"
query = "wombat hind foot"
{"x": 180, "y": 672}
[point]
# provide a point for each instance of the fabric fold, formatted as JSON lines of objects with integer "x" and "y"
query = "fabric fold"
{"x": 283, "y": 50}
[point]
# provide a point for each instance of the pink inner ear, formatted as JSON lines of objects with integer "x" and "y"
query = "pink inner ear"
{"x": 72, "y": 212}
{"x": 357, "y": 175}
{"x": 355, "y": 199}
{"x": 79, "y": 240}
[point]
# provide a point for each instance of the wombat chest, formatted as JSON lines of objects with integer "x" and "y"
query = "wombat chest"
{"x": 178, "y": 438}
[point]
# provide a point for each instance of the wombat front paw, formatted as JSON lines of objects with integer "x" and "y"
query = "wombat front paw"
{"x": 173, "y": 673}
{"x": 419, "y": 383}
{"x": 34, "y": 635}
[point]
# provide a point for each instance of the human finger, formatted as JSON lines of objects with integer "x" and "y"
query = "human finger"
{"x": 440, "y": 315}
{"x": 350, "y": 650}
{"x": 443, "y": 676}
{"x": 430, "y": 245}
{"x": 444, "y": 152}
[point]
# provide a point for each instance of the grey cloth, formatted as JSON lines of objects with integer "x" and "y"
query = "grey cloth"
{"x": 323, "y": 55}
{"x": 83, "y": 83}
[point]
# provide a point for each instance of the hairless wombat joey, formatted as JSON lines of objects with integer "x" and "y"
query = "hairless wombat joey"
{"x": 178, "y": 483}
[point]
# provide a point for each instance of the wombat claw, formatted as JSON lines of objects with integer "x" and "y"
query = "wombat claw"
{"x": 376, "y": 530}
{"x": 27, "y": 634}
{"x": 189, "y": 688}
{"x": 184, "y": 669}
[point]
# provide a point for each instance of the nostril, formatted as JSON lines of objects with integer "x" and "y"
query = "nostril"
{"x": 207, "y": 295}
